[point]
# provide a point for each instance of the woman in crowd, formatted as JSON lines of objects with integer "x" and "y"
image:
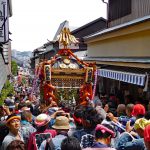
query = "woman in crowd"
{"x": 42, "y": 133}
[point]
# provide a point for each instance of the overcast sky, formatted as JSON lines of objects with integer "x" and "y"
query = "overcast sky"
{"x": 35, "y": 21}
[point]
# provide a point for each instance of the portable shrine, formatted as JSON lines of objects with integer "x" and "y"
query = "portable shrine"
{"x": 65, "y": 78}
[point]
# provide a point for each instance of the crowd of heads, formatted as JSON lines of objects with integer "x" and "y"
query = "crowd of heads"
{"x": 27, "y": 122}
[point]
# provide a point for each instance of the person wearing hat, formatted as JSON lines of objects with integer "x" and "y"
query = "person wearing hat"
{"x": 62, "y": 127}
{"x": 42, "y": 133}
{"x": 103, "y": 135}
{"x": 133, "y": 140}
{"x": 13, "y": 123}
{"x": 138, "y": 111}
{"x": 140, "y": 125}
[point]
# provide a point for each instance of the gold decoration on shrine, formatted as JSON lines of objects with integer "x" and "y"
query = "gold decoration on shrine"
{"x": 66, "y": 38}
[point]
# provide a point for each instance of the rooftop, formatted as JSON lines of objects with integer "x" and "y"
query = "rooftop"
{"x": 124, "y": 25}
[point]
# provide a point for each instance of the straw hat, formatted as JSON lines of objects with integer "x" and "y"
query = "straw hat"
{"x": 61, "y": 122}
{"x": 42, "y": 120}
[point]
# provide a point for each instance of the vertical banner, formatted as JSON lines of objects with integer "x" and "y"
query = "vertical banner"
{"x": 95, "y": 82}
{"x": 36, "y": 77}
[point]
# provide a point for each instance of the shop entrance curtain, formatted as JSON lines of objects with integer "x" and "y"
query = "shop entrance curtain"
{"x": 133, "y": 78}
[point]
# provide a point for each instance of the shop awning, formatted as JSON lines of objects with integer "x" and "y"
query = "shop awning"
{"x": 133, "y": 78}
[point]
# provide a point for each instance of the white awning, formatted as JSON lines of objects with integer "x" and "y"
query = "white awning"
{"x": 133, "y": 78}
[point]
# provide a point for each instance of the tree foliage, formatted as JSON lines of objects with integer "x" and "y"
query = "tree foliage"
{"x": 14, "y": 68}
{"x": 7, "y": 89}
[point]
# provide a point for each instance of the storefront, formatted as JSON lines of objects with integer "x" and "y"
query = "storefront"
{"x": 124, "y": 84}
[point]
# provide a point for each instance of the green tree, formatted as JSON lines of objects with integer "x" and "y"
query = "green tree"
{"x": 14, "y": 68}
{"x": 7, "y": 89}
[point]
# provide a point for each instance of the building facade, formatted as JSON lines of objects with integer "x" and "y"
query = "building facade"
{"x": 122, "y": 50}
{"x": 5, "y": 44}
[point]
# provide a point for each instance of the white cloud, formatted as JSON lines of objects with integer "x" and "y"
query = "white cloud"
{"x": 35, "y": 21}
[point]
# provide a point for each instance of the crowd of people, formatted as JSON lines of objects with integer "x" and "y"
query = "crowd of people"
{"x": 27, "y": 123}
